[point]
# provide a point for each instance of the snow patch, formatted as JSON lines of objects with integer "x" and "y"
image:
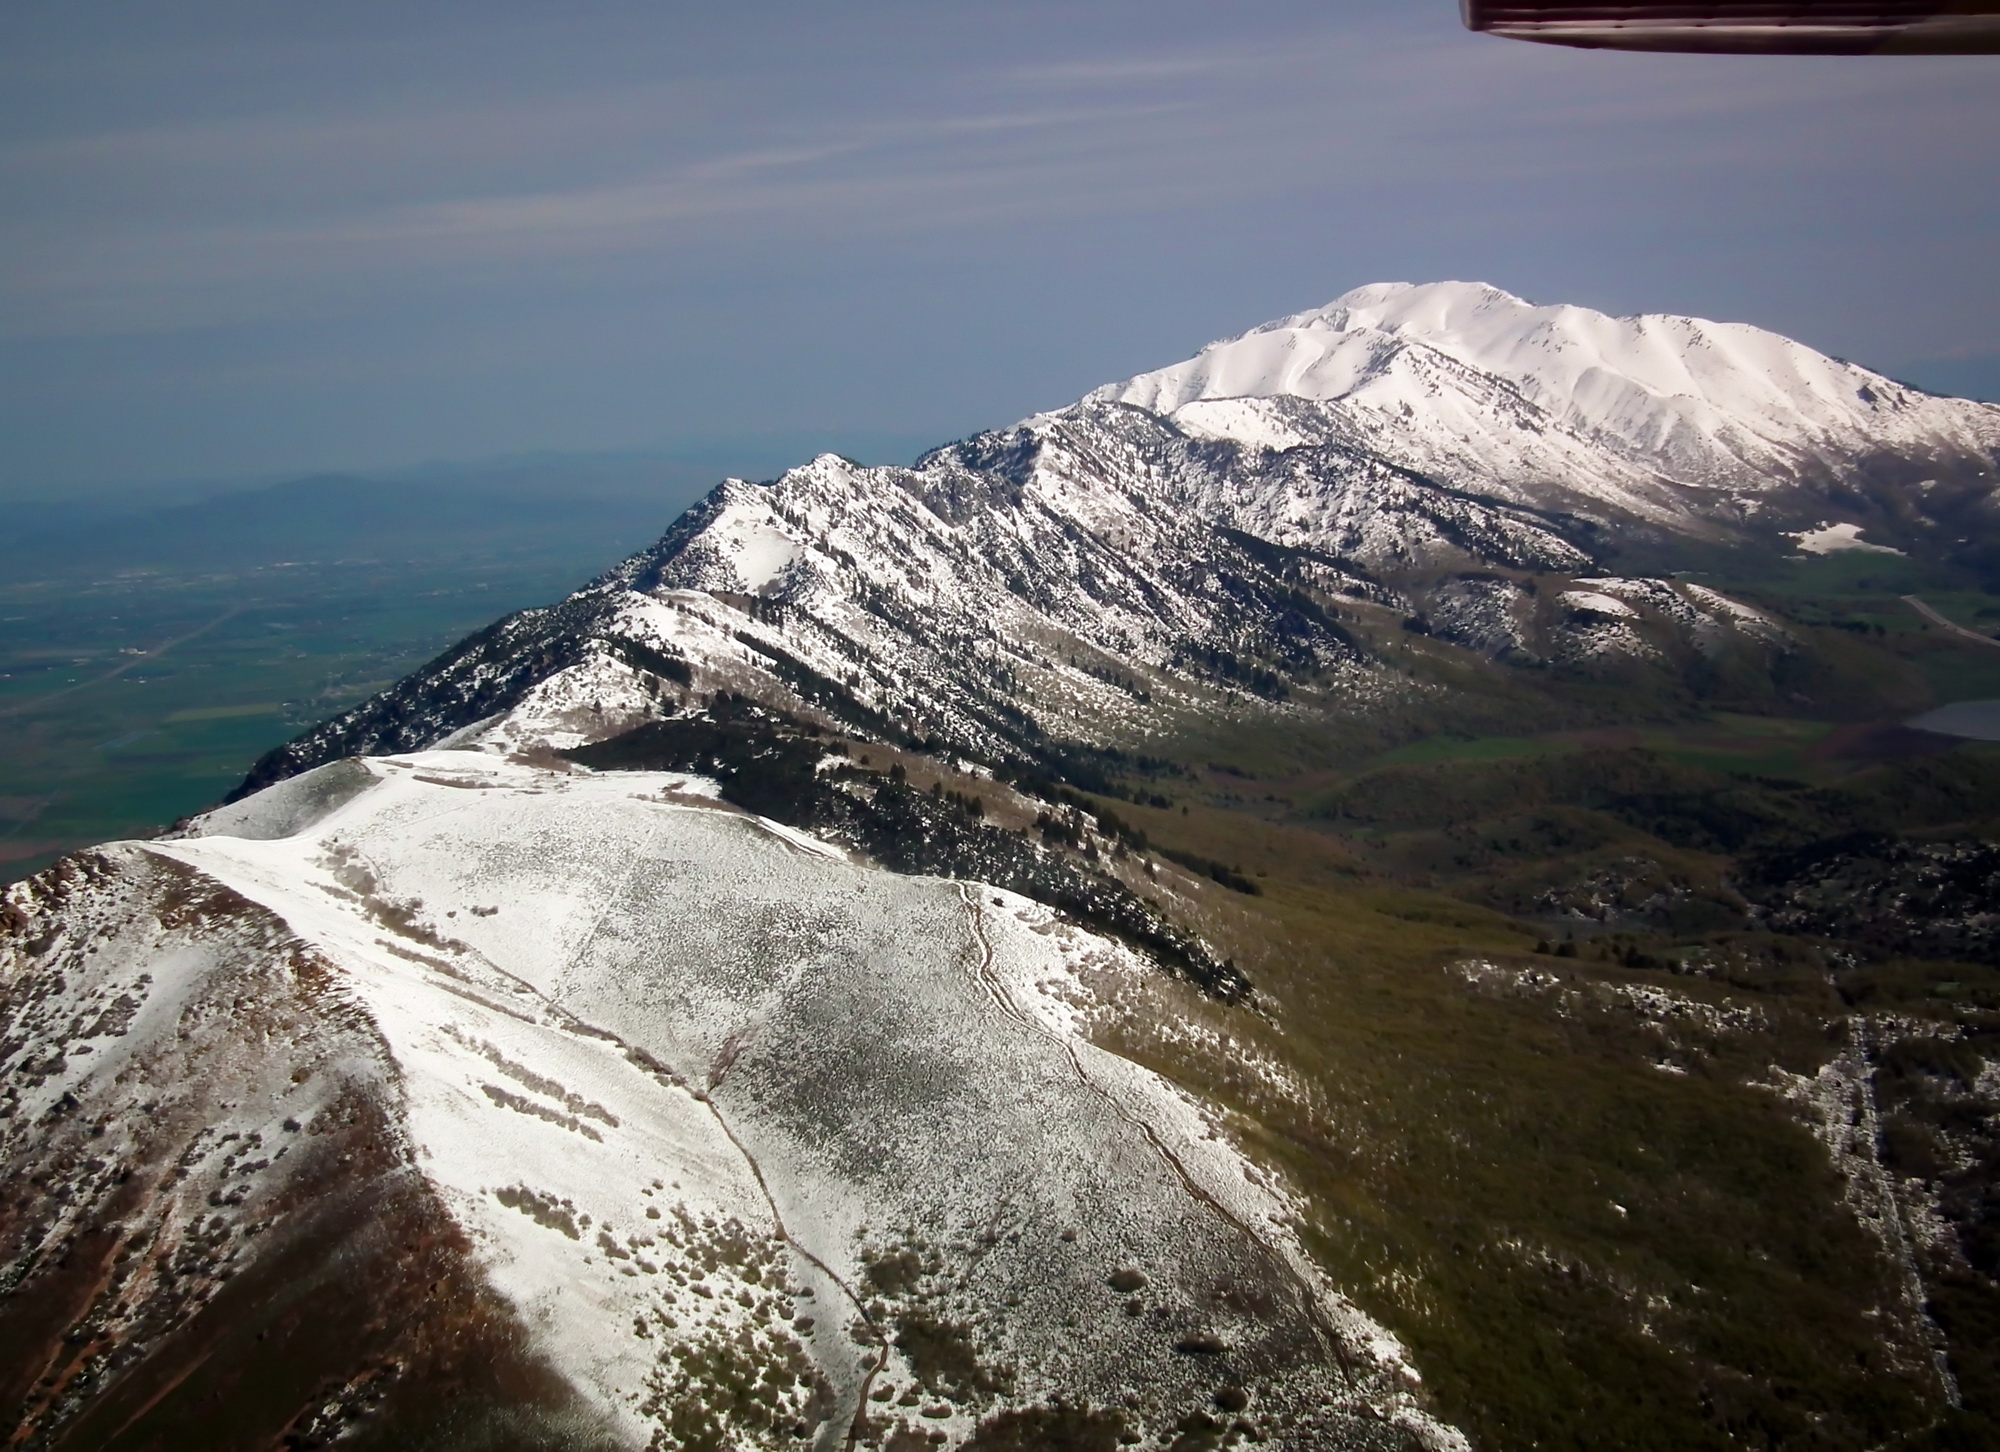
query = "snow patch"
{"x": 1831, "y": 539}
{"x": 1594, "y": 602}
{"x": 1247, "y": 421}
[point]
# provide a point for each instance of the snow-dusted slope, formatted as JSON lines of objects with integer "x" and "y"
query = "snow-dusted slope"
{"x": 1482, "y": 390}
{"x": 743, "y": 1135}
{"x": 992, "y": 614}
{"x": 1015, "y": 615}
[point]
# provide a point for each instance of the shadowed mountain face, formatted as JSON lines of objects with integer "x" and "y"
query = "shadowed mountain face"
{"x": 961, "y": 955}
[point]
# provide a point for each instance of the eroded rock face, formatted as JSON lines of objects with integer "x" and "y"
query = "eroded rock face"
{"x": 622, "y": 1118}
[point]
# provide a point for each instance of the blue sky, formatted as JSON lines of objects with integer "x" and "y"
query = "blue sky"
{"x": 250, "y": 239}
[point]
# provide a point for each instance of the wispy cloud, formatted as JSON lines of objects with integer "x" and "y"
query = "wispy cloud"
{"x": 1127, "y": 70}
{"x": 307, "y": 203}
{"x": 929, "y": 172}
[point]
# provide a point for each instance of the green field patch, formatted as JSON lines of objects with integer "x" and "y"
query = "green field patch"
{"x": 1847, "y": 572}
{"x": 1753, "y": 745}
{"x": 1961, "y": 672}
{"x": 1769, "y": 763}
{"x": 1744, "y": 745}
{"x": 1971, "y": 609}
{"x": 224, "y": 713}
{"x": 1478, "y": 748}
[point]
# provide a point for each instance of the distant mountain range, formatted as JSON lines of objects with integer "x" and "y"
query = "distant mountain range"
{"x": 586, "y": 506}
{"x": 859, "y": 972}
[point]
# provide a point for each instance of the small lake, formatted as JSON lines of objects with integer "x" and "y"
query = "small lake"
{"x": 1975, "y": 720}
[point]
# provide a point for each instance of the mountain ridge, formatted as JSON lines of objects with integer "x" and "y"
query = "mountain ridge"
{"x": 1097, "y": 525}
{"x": 847, "y": 977}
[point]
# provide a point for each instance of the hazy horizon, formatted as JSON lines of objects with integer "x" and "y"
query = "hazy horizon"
{"x": 250, "y": 243}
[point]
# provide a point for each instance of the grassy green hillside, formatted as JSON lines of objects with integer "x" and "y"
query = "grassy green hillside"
{"x": 1607, "y": 1089}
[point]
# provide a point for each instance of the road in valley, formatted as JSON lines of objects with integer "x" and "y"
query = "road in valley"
{"x": 152, "y": 655}
{"x": 1950, "y": 625}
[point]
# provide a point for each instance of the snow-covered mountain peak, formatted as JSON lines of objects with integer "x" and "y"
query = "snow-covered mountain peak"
{"x": 1586, "y": 367}
{"x": 1394, "y": 306}
{"x": 1485, "y": 390}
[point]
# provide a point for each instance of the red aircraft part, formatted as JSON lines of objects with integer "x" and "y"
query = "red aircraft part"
{"x": 1798, "y": 27}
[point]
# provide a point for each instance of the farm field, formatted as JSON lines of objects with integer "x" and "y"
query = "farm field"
{"x": 130, "y": 702}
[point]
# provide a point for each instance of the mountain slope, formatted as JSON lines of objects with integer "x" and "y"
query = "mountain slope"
{"x": 760, "y": 1110}
{"x": 736, "y": 980}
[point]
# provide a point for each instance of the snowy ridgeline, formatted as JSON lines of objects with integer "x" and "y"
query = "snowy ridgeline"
{"x": 692, "y": 1086}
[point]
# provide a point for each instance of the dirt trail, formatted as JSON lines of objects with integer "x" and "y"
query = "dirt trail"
{"x": 880, "y": 1338}
{"x": 1883, "y": 1185}
{"x": 718, "y": 1072}
{"x": 676, "y": 1080}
